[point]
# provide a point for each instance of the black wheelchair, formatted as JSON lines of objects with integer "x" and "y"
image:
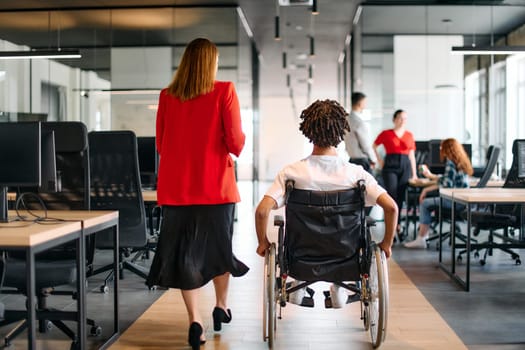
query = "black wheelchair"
{"x": 326, "y": 237}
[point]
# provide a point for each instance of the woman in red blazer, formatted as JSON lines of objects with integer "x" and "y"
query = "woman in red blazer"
{"x": 399, "y": 164}
{"x": 198, "y": 126}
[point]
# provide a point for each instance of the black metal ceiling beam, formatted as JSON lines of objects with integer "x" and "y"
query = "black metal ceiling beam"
{"x": 124, "y": 7}
{"x": 435, "y": 2}
{"x": 105, "y": 46}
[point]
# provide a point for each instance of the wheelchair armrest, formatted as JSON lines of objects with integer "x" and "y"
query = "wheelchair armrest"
{"x": 278, "y": 220}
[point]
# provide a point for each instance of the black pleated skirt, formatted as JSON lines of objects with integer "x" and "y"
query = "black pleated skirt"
{"x": 195, "y": 245}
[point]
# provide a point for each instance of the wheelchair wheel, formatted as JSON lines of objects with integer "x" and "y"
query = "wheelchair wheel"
{"x": 269, "y": 299}
{"x": 377, "y": 297}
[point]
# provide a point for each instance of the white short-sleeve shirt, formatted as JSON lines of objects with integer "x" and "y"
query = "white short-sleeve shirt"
{"x": 324, "y": 173}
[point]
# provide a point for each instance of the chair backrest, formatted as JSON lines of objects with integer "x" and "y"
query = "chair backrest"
{"x": 491, "y": 165}
{"x": 513, "y": 180}
{"x": 115, "y": 185}
{"x": 421, "y": 153}
{"x": 324, "y": 233}
{"x": 516, "y": 176}
{"x": 148, "y": 161}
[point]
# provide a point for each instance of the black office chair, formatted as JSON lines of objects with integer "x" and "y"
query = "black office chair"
{"x": 459, "y": 215}
{"x": 502, "y": 217}
{"x": 115, "y": 185}
{"x": 57, "y": 266}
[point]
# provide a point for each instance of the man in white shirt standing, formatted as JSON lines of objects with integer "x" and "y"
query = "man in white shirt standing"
{"x": 357, "y": 143}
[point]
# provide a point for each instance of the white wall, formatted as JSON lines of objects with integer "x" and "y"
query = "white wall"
{"x": 281, "y": 142}
{"x": 378, "y": 86}
{"x": 138, "y": 68}
{"x": 421, "y": 65}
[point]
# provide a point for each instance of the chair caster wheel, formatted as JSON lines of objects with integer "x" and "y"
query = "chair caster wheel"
{"x": 482, "y": 262}
{"x": 459, "y": 258}
{"x": 96, "y": 331}
{"x": 74, "y": 346}
{"x": 518, "y": 261}
{"x": 152, "y": 288}
{"x": 476, "y": 255}
{"x": 104, "y": 289}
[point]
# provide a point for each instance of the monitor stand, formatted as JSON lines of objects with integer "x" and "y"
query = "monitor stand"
{"x": 3, "y": 204}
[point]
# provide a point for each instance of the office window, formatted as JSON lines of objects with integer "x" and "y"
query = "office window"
{"x": 515, "y": 103}
{"x": 474, "y": 112}
{"x": 497, "y": 116}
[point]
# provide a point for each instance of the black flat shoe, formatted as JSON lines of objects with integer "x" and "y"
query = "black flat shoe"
{"x": 220, "y": 316}
{"x": 194, "y": 336}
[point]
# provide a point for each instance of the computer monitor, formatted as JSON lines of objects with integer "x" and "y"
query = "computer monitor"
{"x": 148, "y": 160}
{"x": 48, "y": 181}
{"x": 27, "y": 166}
{"x": 20, "y": 163}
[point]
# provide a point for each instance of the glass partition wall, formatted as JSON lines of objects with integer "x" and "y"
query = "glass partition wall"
{"x": 127, "y": 56}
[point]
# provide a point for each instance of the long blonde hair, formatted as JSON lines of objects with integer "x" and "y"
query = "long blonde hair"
{"x": 196, "y": 72}
{"x": 453, "y": 150}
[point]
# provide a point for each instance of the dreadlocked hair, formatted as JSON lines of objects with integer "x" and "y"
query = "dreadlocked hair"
{"x": 324, "y": 123}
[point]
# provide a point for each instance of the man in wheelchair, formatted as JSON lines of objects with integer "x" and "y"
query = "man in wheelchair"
{"x": 325, "y": 123}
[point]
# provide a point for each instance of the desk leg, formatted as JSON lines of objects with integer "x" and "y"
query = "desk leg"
{"x": 407, "y": 219}
{"x": 81, "y": 283}
{"x": 116, "y": 264}
{"x": 453, "y": 237}
{"x": 440, "y": 236}
{"x": 469, "y": 229}
{"x": 31, "y": 299}
{"x": 522, "y": 227}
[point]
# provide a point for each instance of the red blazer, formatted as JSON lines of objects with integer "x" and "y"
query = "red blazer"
{"x": 194, "y": 140}
{"x": 394, "y": 144}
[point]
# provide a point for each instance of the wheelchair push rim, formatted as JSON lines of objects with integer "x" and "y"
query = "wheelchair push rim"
{"x": 269, "y": 298}
{"x": 378, "y": 297}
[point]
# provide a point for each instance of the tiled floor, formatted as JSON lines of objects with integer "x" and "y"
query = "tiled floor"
{"x": 487, "y": 317}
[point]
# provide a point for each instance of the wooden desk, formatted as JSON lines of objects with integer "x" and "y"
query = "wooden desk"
{"x": 149, "y": 196}
{"x": 35, "y": 238}
{"x": 415, "y": 186}
{"x": 469, "y": 196}
{"x": 92, "y": 222}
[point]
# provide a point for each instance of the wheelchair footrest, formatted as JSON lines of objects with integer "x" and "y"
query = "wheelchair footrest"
{"x": 307, "y": 302}
{"x": 353, "y": 298}
{"x": 307, "y": 299}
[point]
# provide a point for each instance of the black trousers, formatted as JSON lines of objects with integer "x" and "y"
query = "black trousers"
{"x": 396, "y": 172}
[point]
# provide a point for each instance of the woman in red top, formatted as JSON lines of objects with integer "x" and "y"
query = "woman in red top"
{"x": 399, "y": 164}
{"x": 198, "y": 126}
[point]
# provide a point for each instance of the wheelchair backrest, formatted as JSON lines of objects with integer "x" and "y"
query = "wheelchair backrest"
{"x": 324, "y": 231}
